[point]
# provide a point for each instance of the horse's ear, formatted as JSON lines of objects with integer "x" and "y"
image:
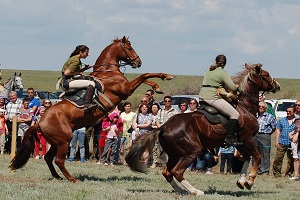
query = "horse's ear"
{"x": 124, "y": 39}
{"x": 20, "y": 74}
{"x": 15, "y": 73}
{"x": 247, "y": 66}
{"x": 258, "y": 68}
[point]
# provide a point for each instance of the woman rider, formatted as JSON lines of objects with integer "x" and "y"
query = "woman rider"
{"x": 72, "y": 71}
{"x": 216, "y": 77}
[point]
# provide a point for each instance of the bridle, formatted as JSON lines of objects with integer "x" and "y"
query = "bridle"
{"x": 263, "y": 78}
{"x": 128, "y": 61}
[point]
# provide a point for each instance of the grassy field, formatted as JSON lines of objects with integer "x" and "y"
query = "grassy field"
{"x": 118, "y": 182}
{"x": 46, "y": 80}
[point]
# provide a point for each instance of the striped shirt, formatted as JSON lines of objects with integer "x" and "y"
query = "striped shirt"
{"x": 12, "y": 109}
{"x": 163, "y": 115}
{"x": 285, "y": 128}
{"x": 267, "y": 123}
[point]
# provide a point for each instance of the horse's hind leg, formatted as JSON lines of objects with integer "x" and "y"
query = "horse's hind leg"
{"x": 169, "y": 177}
{"x": 49, "y": 160}
{"x": 178, "y": 171}
{"x": 60, "y": 161}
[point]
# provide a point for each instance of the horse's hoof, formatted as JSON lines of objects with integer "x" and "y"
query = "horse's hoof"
{"x": 75, "y": 180}
{"x": 248, "y": 185}
{"x": 198, "y": 193}
{"x": 58, "y": 178}
{"x": 169, "y": 77}
{"x": 159, "y": 91}
{"x": 240, "y": 184}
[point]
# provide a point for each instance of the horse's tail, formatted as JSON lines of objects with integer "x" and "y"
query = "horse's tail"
{"x": 138, "y": 155}
{"x": 27, "y": 146}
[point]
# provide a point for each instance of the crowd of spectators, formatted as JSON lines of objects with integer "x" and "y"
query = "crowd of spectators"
{"x": 113, "y": 135}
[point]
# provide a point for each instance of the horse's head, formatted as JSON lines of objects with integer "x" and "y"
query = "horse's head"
{"x": 263, "y": 78}
{"x": 18, "y": 82}
{"x": 128, "y": 55}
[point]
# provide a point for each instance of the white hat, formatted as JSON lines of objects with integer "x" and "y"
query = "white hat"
{"x": 2, "y": 110}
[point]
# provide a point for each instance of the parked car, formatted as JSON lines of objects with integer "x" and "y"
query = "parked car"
{"x": 281, "y": 106}
{"x": 271, "y": 102}
{"x": 177, "y": 98}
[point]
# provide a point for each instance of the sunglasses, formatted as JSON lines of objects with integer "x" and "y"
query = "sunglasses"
{"x": 261, "y": 106}
{"x": 147, "y": 94}
{"x": 183, "y": 105}
{"x": 144, "y": 101}
{"x": 297, "y": 105}
{"x": 192, "y": 103}
{"x": 288, "y": 111}
{"x": 167, "y": 100}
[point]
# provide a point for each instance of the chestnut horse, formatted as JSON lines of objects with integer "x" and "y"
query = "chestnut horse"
{"x": 60, "y": 120}
{"x": 183, "y": 136}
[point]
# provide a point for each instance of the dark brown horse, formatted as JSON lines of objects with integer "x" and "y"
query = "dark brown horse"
{"x": 183, "y": 136}
{"x": 60, "y": 120}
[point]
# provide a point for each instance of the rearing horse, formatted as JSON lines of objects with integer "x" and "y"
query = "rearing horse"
{"x": 60, "y": 120}
{"x": 183, "y": 136}
{"x": 13, "y": 83}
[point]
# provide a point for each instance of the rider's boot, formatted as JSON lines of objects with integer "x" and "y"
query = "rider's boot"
{"x": 232, "y": 128}
{"x": 88, "y": 103}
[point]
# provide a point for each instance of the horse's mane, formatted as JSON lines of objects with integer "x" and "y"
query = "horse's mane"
{"x": 7, "y": 81}
{"x": 241, "y": 77}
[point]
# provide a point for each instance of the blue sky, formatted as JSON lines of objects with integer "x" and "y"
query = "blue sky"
{"x": 181, "y": 37}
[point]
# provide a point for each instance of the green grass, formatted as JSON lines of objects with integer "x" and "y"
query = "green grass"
{"x": 46, "y": 80}
{"x": 118, "y": 182}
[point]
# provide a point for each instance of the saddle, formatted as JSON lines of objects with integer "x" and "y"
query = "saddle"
{"x": 77, "y": 96}
{"x": 212, "y": 114}
{"x": 214, "y": 117}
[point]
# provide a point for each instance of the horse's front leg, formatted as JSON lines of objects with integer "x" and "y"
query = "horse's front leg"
{"x": 134, "y": 84}
{"x": 154, "y": 86}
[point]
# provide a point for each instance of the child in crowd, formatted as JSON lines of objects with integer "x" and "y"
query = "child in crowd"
{"x": 41, "y": 138}
{"x": 226, "y": 157}
{"x": 3, "y": 130}
{"x": 114, "y": 129}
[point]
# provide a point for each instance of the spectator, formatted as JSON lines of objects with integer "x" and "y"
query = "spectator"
{"x": 297, "y": 106}
{"x": 282, "y": 143}
{"x": 206, "y": 160}
{"x": 269, "y": 107}
{"x": 114, "y": 130}
{"x": 24, "y": 119}
{"x": 294, "y": 137}
{"x": 226, "y": 155}
{"x": 141, "y": 121}
{"x": 267, "y": 125}
{"x": 45, "y": 104}
{"x": 153, "y": 114}
{"x": 78, "y": 135}
{"x": 193, "y": 105}
{"x": 182, "y": 106}
{"x": 34, "y": 103}
{"x": 150, "y": 95}
{"x": 12, "y": 109}
{"x": 3, "y": 102}
{"x": 41, "y": 140}
{"x": 159, "y": 156}
{"x": 145, "y": 101}
{"x": 127, "y": 118}
{"x": 3, "y": 130}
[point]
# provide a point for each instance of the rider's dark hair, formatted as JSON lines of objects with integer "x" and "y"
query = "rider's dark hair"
{"x": 220, "y": 62}
{"x": 78, "y": 49}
